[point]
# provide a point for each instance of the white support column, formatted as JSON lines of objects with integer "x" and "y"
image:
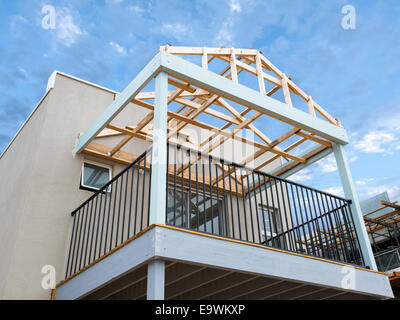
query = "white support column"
{"x": 159, "y": 152}
{"x": 155, "y": 280}
{"x": 350, "y": 193}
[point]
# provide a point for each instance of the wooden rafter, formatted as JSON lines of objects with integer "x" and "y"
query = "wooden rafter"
{"x": 194, "y": 101}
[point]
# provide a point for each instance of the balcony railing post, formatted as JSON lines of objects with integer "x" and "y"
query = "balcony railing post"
{"x": 159, "y": 152}
{"x": 350, "y": 193}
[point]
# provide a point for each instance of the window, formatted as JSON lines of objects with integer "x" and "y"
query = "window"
{"x": 197, "y": 212}
{"x": 95, "y": 175}
{"x": 267, "y": 218}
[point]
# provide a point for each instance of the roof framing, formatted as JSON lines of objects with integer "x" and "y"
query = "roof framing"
{"x": 197, "y": 90}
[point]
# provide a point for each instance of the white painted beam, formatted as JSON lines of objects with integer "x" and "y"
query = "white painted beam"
{"x": 140, "y": 81}
{"x": 179, "y": 246}
{"x": 350, "y": 193}
{"x": 190, "y": 72}
{"x": 158, "y": 190}
{"x": 156, "y": 280}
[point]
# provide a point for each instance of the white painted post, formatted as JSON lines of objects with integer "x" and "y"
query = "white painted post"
{"x": 159, "y": 152}
{"x": 350, "y": 193}
{"x": 155, "y": 280}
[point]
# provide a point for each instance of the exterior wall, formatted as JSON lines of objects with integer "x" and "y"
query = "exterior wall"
{"x": 40, "y": 186}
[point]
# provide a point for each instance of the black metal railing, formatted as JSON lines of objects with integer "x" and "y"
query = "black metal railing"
{"x": 388, "y": 260}
{"x": 115, "y": 213}
{"x": 215, "y": 196}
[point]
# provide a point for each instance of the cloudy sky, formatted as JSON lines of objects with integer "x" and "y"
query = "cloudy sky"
{"x": 354, "y": 74}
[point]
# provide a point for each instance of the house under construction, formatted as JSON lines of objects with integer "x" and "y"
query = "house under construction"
{"x": 176, "y": 188}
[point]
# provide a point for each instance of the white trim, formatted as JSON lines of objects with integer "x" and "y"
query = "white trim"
{"x": 52, "y": 78}
{"x": 98, "y": 164}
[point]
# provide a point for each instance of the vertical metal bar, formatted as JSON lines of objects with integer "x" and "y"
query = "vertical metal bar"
{"x": 273, "y": 216}
{"x": 73, "y": 235}
{"x": 183, "y": 214}
{"x": 143, "y": 191}
{"x": 250, "y": 207}
{"x": 148, "y": 191}
{"x": 211, "y": 193}
{"x": 175, "y": 161}
{"x": 203, "y": 171}
{"x": 221, "y": 219}
{"x": 294, "y": 229}
{"x": 256, "y": 204}
{"x": 130, "y": 203}
{"x": 231, "y": 201}
{"x": 76, "y": 254}
{"x": 83, "y": 236}
{"x": 190, "y": 192}
{"x": 300, "y": 222}
{"x": 124, "y": 214}
{"x": 166, "y": 185}
{"x": 290, "y": 240}
{"x": 197, "y": 191}
{"x": 316, "y": 223}
{"x": 108, "y": 219}
{"x": 102, "y": 223}
{"x": 113, "y": 218}
{"x": 224, "y": 195}
{"x": 119, "y": 208}
{"x": 92, "y": 224}
{"x": 280, "y": 214}
{"x": 238, "y": 205}
{"x": 98, "y": 225}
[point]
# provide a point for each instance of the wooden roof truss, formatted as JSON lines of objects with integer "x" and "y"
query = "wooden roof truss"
{"x": 191, "y": 101}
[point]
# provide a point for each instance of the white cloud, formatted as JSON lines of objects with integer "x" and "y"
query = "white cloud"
{"x": 398, "y": 147}
{"x": 234, "y": 6}
{"x": 177, "y": 30}
{"x": 120, "y": 49}
{"x": 136, "y": 9}
{"x": 337, "y": 191}
{"x": 114, "y": 1}
{"x": 301, "y": 176}
{"x": 374, "y": 141}
{"x": 328, "y": 164}
{"x": 67, "y": 29}
{"x": 364, "y": 181}
{"x": 393, "y": 192}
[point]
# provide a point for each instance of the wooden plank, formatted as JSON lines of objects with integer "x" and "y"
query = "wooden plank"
{"x": 310, "y": 104}
{"x": 204, "y": 59}
{"x": 286, "y": 91}
{"x": 390, "y": 204}
{"x": 260, "y": 77}
{"x": 234, "y": 75}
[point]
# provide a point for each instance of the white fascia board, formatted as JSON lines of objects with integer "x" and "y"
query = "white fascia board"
{"x": 137, "y": 84}
{"x": 206, "y": 79}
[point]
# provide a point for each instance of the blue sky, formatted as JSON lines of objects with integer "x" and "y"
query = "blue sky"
{"x": 353, "y": 74}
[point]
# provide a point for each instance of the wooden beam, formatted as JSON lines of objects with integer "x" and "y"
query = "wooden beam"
{"x": 390, "y": 204}
{"x": 286, "y": 91}
{"x": 260, "y": 77}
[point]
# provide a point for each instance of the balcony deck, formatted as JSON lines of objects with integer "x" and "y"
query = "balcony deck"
{"x": 219, "y": 268}
{"x": 221, "y": 217}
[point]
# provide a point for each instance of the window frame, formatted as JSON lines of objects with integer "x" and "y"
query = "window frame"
{"x": 273, "y": 211}
{"x": 98, "y": 164}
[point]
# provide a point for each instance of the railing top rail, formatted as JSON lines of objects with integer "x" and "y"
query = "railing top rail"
{"x": 103, "y": 188}
{"x": 256, "y": 171}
